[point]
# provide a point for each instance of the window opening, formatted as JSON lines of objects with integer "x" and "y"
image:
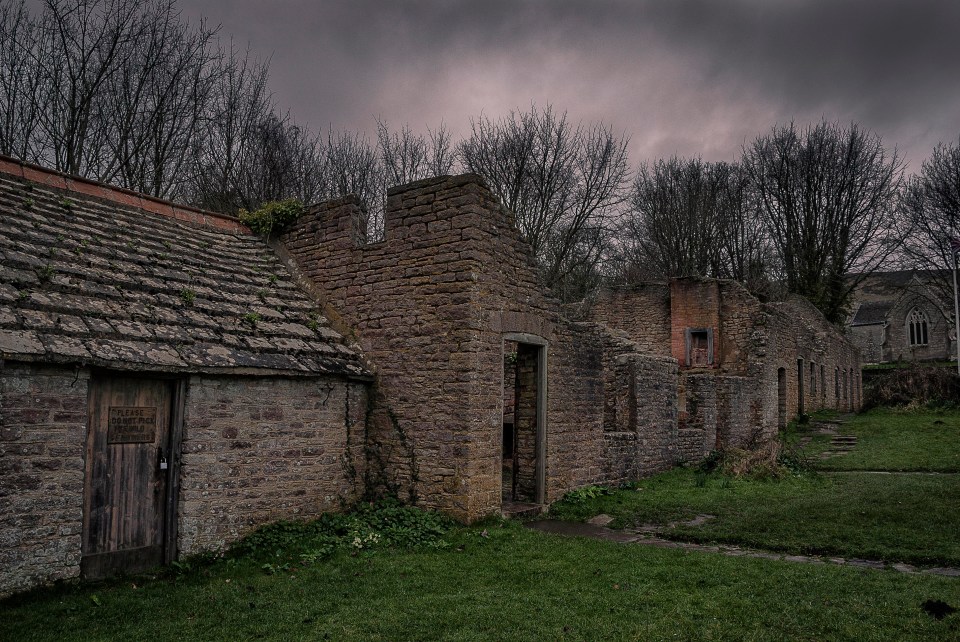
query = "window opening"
{"x": 917, "y": 327}
{"x": 699, "y": 347}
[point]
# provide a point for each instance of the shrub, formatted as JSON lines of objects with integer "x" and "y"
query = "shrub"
{"x": 271, "y": 218}
{"x": 916, "y": 385}
{"x": 383, "y": 525}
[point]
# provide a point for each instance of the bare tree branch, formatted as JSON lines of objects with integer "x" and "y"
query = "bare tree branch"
{"x": 829, "y": 196}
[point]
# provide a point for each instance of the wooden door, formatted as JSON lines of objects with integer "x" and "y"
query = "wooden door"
{"x": 128, "y": 469}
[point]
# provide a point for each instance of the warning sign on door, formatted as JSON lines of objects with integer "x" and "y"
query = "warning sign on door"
{"x": 131, "y": 425}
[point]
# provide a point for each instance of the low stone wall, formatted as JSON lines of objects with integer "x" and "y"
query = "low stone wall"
{"x": 259, "y": 450}
{"x": 43, "y": 425}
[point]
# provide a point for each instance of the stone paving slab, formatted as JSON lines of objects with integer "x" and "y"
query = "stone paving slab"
{"x": 650, "y": 538}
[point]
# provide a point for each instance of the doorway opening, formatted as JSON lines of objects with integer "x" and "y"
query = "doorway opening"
{"x": 524, "y": 419}
{"x": 799, "y": 386}
{"x": 131, "y": 476}
{"x": 782, "y": 398}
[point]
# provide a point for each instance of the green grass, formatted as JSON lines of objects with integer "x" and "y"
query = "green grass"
{"x": 897, "y": 441}
{"x": 512, "y": 584}
{"x": 894, "y": 518}
{"x": 906, "y": 365}
{"x": 415, "y": 577}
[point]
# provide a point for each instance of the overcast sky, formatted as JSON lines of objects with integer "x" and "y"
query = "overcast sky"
{"x": 686, "y": 77}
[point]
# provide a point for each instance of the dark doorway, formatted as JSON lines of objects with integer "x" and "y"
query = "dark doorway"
{"x": 800, "y": 391}
{"x": 782, "y": 398}
{"x": 524, "y": 395}
{"x": 129, "y": 518}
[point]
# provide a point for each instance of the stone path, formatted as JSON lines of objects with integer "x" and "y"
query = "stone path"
{"x": 647, "y": 535}
{"x": 839, "y": 445}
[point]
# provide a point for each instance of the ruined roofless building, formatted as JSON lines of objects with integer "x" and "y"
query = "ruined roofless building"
{"x": 239, "y": 381}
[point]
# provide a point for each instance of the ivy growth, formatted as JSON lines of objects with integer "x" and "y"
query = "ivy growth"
{"x": 272, "y": 217}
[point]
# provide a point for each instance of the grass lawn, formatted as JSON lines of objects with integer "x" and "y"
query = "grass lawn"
{"x": 908, "y": 518}
{"x": 897, "y": 517}
{"x": 499, "y": 583}
{"x": 897, "y": 441}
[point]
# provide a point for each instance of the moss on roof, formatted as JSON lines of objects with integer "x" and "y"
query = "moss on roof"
{"x": 91, "y": 280}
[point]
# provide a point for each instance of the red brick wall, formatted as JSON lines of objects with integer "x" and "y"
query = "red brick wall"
{"x": 694, "y": 303}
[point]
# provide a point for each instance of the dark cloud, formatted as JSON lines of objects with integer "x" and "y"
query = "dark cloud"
{"x": 693, "y": 77}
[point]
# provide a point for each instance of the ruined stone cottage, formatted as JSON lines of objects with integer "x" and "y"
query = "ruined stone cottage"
{"x": 170, "y": 381}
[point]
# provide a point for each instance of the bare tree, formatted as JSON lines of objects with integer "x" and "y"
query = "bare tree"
{"x": 746, "y": 254}
{"x": 239, "y": 103}
{"x": 408, "y": 157}
{"x": 673, "y": 227}
{"x": 829, "y": 196}
{"x": 353, "y": 167}
{"x": 82, "y": 44}
{"x": 933, "y": 206}
{"x": 20, "y": 83}
{"x": 154, "y": 103}
{"x": 560, "y": 181}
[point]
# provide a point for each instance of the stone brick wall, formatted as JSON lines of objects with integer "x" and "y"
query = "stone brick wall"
{"x": 253, "y": 450}
{"x": 697, "y": 430}
{"x": 898, "y": 348}
{"x": 413, "y": 301}
{"x": 432, "y": 306}
{"x": 735, "y": 403}
{"x": 869, "y": 339}
{"x": 43, "y": 417}
{"x": 642, "y": 311}
{"x": 798, "y": 333}
{"x": 256, "y": 450}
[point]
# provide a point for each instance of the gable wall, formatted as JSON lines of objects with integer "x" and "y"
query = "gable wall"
{"x": 431, "y": 305}
{"x": 898, "y": 348}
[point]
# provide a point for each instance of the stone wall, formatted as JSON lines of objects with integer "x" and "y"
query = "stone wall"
{"x": 938, "y": 346}
{"x": 735, "y": 401}
{"x": 253, "y": 450}
{"x": 642, "y": 311}
{"x": 869, "y": 339}
{"x": 432, "y": 306}
{"x": 801, "y": 336}
{"x": 43, "y": 426}
{"x": 256, "y": 450}
{"x": 413, "y": 302}
{"x": 639, "y": 412}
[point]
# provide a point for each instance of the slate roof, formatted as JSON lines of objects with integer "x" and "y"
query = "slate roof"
{"x": 871, "y": 313}
{"x": 880, "y": 286}
{"x": 109, "y": 278}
